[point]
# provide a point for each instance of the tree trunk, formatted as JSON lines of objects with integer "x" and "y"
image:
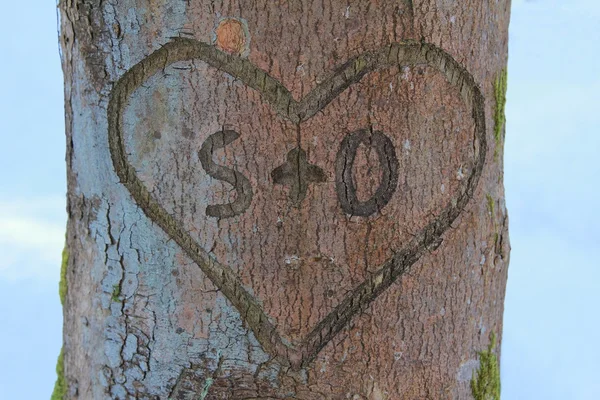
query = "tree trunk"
{"x": 284, "y": 199}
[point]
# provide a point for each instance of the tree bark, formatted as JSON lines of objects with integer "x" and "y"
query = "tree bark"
{"x": 284, "y": 199}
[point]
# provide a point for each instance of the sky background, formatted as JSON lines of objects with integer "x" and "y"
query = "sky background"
{"x": 552, "y": 176}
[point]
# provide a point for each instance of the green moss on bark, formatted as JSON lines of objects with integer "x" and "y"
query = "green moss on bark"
{"x": 60, "y": 388}
{"x": 500, "y": 86}
{"x": 490, "y": 203}
{"x": 62, "y": 284}
{"x": 116, "y": 293}
{"x": 486, "y": 384}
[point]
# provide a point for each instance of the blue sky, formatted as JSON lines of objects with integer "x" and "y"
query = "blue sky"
{"x": 552, "y": 172}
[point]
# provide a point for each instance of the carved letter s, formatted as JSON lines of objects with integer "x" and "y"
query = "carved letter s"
{"x": 236, "y": 179}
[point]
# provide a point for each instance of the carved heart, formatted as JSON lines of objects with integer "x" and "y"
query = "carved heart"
{"x": 273, "y": 92}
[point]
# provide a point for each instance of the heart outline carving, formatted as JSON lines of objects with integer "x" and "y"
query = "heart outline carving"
{"x": 407, "y": 53}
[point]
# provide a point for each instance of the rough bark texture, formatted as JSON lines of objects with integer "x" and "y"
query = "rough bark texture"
{"x": 283, "y": 199}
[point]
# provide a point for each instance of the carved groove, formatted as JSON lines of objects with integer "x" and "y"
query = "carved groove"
{"x": 344, "y": 182}
{"x": 297, "y": 173}
{"x": 236, "y": 179}
{"x": 398, "y": 54}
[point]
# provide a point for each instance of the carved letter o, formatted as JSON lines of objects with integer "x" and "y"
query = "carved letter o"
{"x": 344, "y": 182}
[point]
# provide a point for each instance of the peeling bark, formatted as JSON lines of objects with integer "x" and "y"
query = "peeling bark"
{"x": 286, "y": 199}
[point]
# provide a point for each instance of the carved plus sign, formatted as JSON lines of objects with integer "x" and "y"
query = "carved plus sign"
{"x": 297, "y": 173}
